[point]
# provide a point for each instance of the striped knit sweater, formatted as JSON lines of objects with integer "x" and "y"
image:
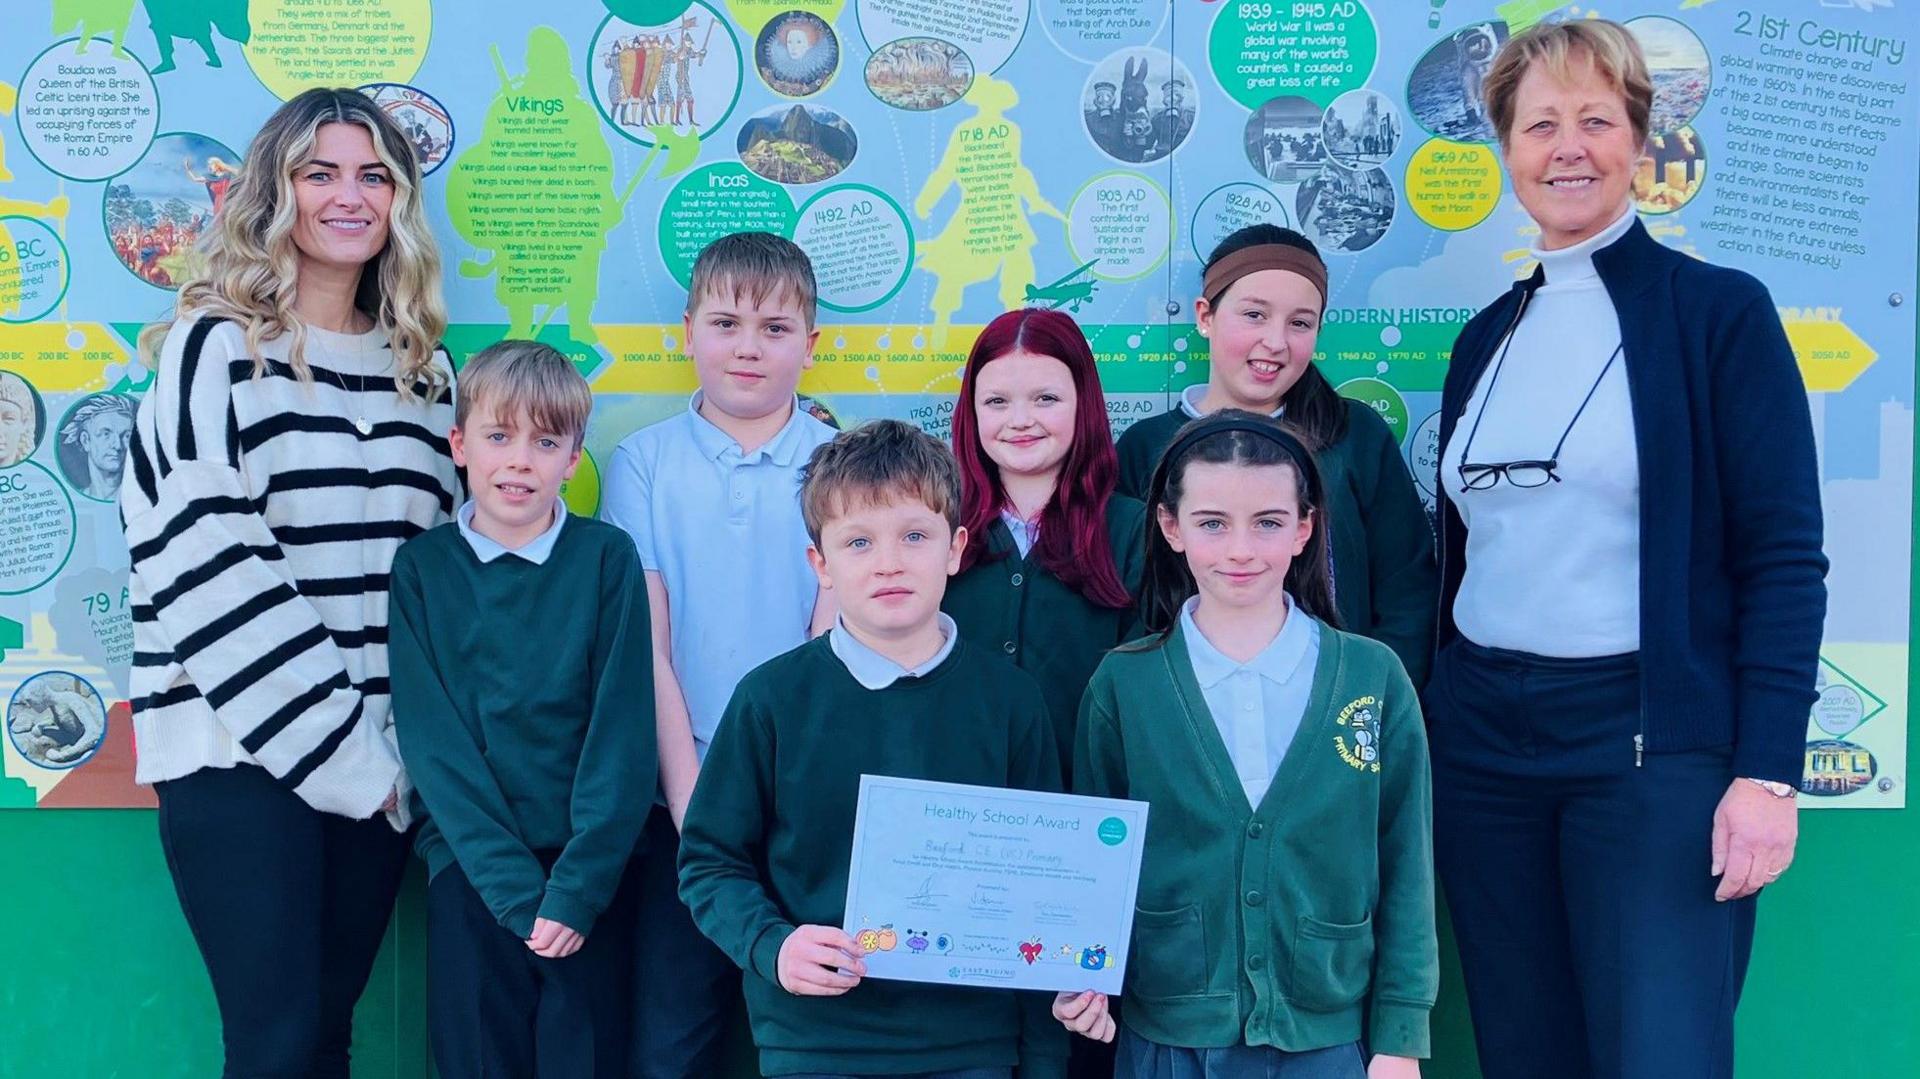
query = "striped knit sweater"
{"x": 262, "y": 515}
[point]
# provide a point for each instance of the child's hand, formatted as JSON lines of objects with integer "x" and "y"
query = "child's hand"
{"x": 1086, "y": 1014}
{"x": 551, "y": 940}
{"x": 812, "y": 961}
{"x": 1385, "y": 1067}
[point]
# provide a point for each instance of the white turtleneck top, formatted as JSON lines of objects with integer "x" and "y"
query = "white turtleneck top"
{"x": 1554, "y": 570}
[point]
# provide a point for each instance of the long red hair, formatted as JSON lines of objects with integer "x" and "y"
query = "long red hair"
{"x": 1073, "y": 527}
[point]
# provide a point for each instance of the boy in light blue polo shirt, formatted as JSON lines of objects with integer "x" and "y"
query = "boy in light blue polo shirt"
{"x": 712, "y": 499}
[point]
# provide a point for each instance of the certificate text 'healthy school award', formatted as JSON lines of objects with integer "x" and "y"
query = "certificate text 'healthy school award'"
{"x": 964, "y": 885}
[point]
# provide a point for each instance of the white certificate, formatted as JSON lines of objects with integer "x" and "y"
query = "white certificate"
{"x": 1010, "y": 889}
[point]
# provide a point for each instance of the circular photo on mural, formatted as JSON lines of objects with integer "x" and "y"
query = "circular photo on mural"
{"x": 1447, "y": 89}
{"x": 919, "y": 74}
{"x": 92, "y": 445}
{"x": 1361, "y": 129}
{"x": 23, "y": 419}
{"x": 1836, "y": 767}
{"x": 1670, "y": 172}
{"x": 56, "y": 720}
{"x": 1345, "y": 211}
{"x": 818, "y": 409}
{"x": 797, "y": 144}
{"x": 797, "y": 53}
{"x": 682, "y": 74}
{"x": 1139, "y": 105}
{"x": 1681, "y": 71}
{"x": 1284, "y": 141}
{"x": 156, "y": 211}
{"x": 426, "y": 122}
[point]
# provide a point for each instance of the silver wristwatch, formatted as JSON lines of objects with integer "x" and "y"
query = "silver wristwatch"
{"x": 1774, "y": 787}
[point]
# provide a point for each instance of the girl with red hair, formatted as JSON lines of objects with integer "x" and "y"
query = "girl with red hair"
{"x": 1050, "y": 582}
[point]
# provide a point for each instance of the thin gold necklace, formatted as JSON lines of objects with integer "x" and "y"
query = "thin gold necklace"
{"x": 360, "y": 423}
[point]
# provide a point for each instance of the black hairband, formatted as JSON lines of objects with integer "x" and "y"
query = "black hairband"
{"x": 1207, "y": 428}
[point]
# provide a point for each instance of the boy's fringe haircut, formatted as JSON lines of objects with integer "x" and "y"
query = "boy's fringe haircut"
{"x": 754, "y": 266}
{"x": 876, "y": 462}
{"x": 526, "y": 377}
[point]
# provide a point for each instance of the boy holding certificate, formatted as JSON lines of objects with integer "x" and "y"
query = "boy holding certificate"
{"x": 890, "y": 690}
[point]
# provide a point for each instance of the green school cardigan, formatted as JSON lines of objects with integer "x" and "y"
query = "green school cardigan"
{"x": 1287, "y": 923}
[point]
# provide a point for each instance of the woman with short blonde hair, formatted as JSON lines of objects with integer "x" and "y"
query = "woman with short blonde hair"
{"x": 1632, "y": 594}
{"x": 294, "y": 436}
{"x": 1608, "y": 49}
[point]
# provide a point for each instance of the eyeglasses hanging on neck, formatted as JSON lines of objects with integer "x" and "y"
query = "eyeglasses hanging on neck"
{"x": 1537, "y": 472}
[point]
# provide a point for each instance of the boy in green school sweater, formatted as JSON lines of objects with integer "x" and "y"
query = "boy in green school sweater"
{"x": 523, "y": 701}
{"x": 891, "y": 690}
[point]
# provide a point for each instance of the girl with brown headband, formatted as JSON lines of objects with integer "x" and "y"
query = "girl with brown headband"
{"x": 1262, "y": 300}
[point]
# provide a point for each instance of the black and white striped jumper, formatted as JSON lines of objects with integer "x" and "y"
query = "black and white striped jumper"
{"x": 262, "y": 515}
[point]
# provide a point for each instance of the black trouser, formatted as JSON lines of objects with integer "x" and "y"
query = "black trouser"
{"x": 1089, "y": 1059}
{"x": 686, "y": 991}
{"x": 1578, "y": 881}
{"x": 288, "y": 905}
{"x": 953, "y": 1073}
{"x": 1140, "y": 1058}
{"x": 496, "y": 1009}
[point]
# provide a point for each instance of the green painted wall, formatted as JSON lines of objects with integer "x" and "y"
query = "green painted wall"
{"x": 98, "y": 977}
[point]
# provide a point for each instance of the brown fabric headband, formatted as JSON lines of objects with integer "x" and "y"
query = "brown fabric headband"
{"x": 1264, "y": 257}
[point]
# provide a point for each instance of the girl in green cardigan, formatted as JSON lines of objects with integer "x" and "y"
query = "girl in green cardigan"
{"x": 1050, "y": 577}
{"x": 1286, "y": 889}
{"x": 1263, "y": 297}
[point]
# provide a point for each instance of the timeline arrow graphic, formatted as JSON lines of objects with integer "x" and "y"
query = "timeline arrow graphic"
{"x": 1831, "y": 355}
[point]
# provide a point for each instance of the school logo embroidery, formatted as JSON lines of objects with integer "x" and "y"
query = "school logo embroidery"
{"x": 1359, "y": 745}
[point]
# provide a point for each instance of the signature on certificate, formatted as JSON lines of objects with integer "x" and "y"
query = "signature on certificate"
{"x": 1057, "y": 913}
{"x": 989, "y": 901}
{"x": 925, "y": 895}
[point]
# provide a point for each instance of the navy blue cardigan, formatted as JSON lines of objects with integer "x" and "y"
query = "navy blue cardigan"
{"x": 1732, "y": 578}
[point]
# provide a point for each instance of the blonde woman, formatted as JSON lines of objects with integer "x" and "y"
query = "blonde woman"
{"x": 1631, "y": 604}
{"x": 293, "y": 438}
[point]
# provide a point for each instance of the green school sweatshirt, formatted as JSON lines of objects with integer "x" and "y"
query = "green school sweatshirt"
{"x": 1386, "y": 584}
{"x": 523, "y": 702}
{"x": 1281, "y": 925}
{"x": 1015, "y": 607}
{"x": 768, "y": 840}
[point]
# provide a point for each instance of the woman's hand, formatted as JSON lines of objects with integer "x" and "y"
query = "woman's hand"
{"x": 1385, "y": 1067}
{"x": 1086, "y": 1014}
{"x": 1753, "y": 839}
